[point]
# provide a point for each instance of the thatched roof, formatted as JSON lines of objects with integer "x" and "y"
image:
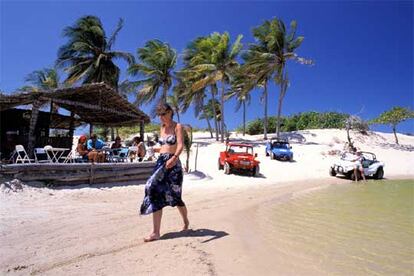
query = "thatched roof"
{"x": 96, "y": 103}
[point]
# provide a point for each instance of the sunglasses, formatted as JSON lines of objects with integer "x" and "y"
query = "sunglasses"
{"x": 162, "y": 114}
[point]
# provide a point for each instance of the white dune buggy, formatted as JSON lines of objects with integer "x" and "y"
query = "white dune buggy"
{"x": 345, "y": 166}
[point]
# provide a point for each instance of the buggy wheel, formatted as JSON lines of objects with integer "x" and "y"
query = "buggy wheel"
{"x": 332, "y": 172}
{"x": 220, "y": 166}
{"x": 227, "y": 169}
{"x": 379, "y": 174}
{"x": 272, "y": 156}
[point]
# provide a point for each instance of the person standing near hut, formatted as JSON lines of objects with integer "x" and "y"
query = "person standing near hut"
{"x": 164, "y": 187}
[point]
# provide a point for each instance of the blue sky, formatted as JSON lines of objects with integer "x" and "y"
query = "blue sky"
{"x": 363, "y": 50}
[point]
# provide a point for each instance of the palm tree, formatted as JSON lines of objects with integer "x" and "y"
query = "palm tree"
{"x": 257, "y": 73}
{"x": 209, "y": 111}
{"x": 88, "y": 54}
{"x": 174, "y": 101}
{"x": 210, "y": 60}
{"x": 188, "y": 141}
{"x": 40, "y": 80}
{"x": 187, "y": 97}
{"x": 43, "y": 80}
{"x": 157, "y": 61}
{"x": 241, "y": 88}
{"x": 267, "y": 59}
{"x": 196, "y": 53}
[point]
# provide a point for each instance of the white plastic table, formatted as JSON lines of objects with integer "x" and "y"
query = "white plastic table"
{"x": 56, "y": 153}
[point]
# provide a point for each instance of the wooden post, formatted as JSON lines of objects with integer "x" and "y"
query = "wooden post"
{"x": 71, "y": 128}
{"x": 50, "y": 118}
{"x": 196, "y": 157}
{"x": 32, "y": 128}
{"x": 141, "y": 130}
{"x": 90, "y": 130}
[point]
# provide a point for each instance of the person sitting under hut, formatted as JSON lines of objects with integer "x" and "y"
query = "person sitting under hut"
{"x": 81, "y": 148}
{"x": 94, "y": 146}
{"x": 117, "y": 144}
{"x": 140, "y": 153}
{"x": 141, "y": 150}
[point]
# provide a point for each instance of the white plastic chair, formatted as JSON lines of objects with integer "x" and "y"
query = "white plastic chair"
{"x": 22, "y": 155}
{"x": 48, "y": 150}
{"x": 41, "y": 156}
{"x": 70, "y": 158}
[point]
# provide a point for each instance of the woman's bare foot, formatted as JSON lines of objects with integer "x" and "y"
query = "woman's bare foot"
{"x": 152, "y": 237}
{"x": 186, "y": 224}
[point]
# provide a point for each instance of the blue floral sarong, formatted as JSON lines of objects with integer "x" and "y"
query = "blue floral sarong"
{"x": 163, "y": 188}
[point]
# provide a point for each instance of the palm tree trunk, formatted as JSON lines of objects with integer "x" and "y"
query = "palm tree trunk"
{"x": 283, "y": 88}
{"x": 279, "y": 112}
{"x": 265, "y": 112}
{"x": 213, "y": 96}
{"x": 348, "y": 136}
{"x": 164, "y": 93}
{"x": 209, "y": 127}
{"x": 244, "y": 117}
{"x": 32, "y": 128}
{"x": 222, "y": 111}
{"x": 178, "y": 116}
{"x": 394, "y": 129}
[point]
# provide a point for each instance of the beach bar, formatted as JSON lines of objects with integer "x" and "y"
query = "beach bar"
{"x": 94, "y": 104}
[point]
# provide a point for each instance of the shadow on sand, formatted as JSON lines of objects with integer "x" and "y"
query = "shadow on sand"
{"x": 409, "y": 148}
{"x": 195, "y": 233}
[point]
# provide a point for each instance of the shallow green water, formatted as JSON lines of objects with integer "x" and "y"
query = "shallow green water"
{"x": 356, "y": 229}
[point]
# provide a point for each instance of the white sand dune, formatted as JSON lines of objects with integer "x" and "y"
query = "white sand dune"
{"x": 97, "y": 231}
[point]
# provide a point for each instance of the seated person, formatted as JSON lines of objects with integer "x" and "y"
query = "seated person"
{"x": 117, "y": 144}
{"x": 150, "y": 152}
{"x": 81, "y": 148}
{"x": 133, "y": 153}
{"x": 140, "y": 153}
{"x": 94, "y": 145}
{"x": 141, "y": 150}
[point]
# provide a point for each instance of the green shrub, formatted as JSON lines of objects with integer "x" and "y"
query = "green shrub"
{"x": 299, "y": 121}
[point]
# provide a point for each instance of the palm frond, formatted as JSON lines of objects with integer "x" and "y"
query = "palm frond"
{"x": 112, "y": 38}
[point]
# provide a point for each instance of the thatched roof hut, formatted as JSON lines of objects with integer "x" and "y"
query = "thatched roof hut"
{"x": 96, "y": 104}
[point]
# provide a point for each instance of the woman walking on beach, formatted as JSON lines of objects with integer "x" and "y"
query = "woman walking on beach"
{"x": 164, "y": 187}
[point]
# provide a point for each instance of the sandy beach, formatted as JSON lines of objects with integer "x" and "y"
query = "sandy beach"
{"x": 96, "y": 230}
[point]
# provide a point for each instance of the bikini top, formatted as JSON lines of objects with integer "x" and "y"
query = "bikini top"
{"x": 170, "y": 140}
